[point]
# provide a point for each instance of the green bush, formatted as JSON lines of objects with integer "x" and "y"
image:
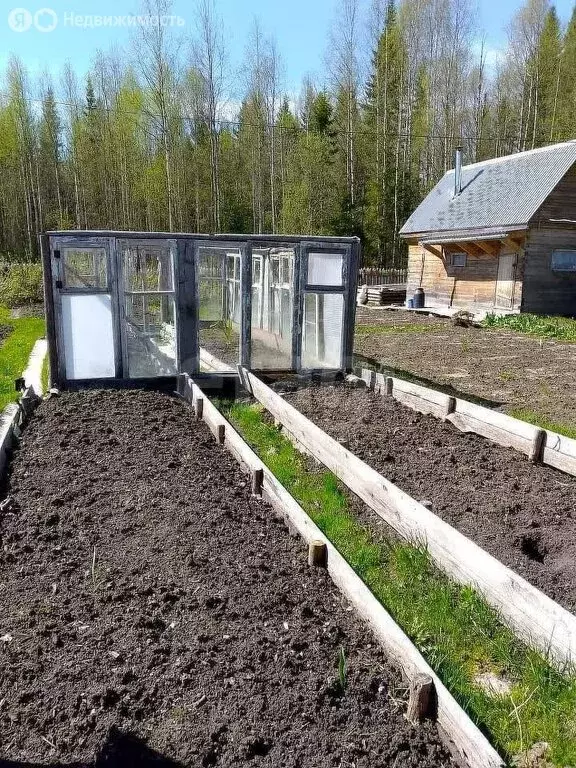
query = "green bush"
{"x": 21, "y": 283}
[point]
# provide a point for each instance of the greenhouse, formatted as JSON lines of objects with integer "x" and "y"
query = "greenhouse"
{"x": 145, "y": 305}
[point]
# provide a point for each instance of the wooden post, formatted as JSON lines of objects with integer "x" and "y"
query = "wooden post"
{"x": 257, "y": 480}
{"x": 199, "y": 408}
{"x": 537, "y": 447}
{"x": 389, "y": 385}
{"x": 421, "y": 698}
{"x": 317, "y": 554}
{"x": 221, "y": 436}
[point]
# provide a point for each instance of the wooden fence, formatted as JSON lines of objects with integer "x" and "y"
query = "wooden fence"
{"x": 382, "y": 276}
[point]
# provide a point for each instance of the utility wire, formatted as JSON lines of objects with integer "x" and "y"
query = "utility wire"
{"x": 223, "y": 122}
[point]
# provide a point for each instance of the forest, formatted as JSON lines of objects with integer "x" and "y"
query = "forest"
{"x": 150, "y": 138}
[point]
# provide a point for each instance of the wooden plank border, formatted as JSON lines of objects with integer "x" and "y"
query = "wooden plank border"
{"x": 540, "y": 445}
{"x": 452, "y": 720}
{"x": 532, "y": 615}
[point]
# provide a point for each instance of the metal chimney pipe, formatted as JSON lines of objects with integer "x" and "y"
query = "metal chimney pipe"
{"x": 458, "y": 172}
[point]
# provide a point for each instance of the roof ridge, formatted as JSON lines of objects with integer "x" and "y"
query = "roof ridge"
{"x": 514, "y": 155}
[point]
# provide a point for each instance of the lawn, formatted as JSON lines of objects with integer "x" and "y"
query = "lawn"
{"x": 15, "y": 350}
{"x": 454, "y": 628}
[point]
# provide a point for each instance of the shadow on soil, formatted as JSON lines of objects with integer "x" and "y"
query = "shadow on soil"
{"x": 361, "y": 361}
{"x": 120, "y": 751}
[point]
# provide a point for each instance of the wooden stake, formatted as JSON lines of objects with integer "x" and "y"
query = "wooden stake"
{"x": 389, "y": 385}
{"x": 317, "y": 554}
{"x": 537, "y": 448}
{"x": 199, "y": 407}
{"x": 257, "y": 480}
{"x": 221, "y": 433}
{"x": 421, "y": 698}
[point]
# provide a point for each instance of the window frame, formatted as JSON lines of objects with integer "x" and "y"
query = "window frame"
{"x": 453, "y": 254}
{"x": 560, "y": 268}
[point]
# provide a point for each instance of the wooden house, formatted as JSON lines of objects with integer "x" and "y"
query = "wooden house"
{"x": 499, "y": 234}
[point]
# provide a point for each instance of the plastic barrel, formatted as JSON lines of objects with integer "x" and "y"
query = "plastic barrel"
{"x": 418, "y": 300}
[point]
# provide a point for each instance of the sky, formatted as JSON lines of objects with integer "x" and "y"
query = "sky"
{"x": 40, "y": 32}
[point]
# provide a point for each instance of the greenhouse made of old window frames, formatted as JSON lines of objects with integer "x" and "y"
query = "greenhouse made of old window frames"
{"x": 136, "y": 305}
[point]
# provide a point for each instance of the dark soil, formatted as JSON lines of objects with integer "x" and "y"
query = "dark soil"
{"x": 155, "y": 613}
{"x": 525, "y": 515}
{"x": 509, "y": 369}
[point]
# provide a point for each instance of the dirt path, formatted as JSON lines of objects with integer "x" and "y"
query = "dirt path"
{"x": 508, "y": 368}
{"x": 525, "y": 515}
{"x": 154, "y": 613}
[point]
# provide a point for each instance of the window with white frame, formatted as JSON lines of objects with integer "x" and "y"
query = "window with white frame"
{"x": 458, "y": 259}
{"x": 564, "y": 261}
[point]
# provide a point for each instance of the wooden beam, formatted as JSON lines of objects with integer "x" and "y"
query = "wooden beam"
{"x": 436, "y": 250}
{"x": 535, "y": 617}
{"x": 464, "y": 734}
{"x": 491, "y": 247}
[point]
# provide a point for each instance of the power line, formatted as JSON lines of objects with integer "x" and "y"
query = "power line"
{"x": 226, "y": 123}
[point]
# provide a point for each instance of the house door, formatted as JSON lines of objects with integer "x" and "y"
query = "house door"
{"x": 505, "y": 282}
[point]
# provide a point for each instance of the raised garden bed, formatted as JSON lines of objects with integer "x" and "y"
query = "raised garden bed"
{"x": 155, "y": 611}
{"x": 521, "y": 513}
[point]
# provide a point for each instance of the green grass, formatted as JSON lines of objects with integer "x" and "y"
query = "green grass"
{"x": 364, "y": 330}
{"x": 458, "y": 633}
{"x": 541, "y": 421}
{"x": 15, "y": 350}
{"x": 539, "y": 326}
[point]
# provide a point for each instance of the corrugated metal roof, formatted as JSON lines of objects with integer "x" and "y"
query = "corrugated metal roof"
{"x": 502, "y": 192}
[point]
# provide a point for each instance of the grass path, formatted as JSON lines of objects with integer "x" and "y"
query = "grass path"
{"x": 15, "y": 350}
{"x": 453, "y": 627}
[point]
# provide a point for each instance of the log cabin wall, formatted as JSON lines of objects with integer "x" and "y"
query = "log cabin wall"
{"x": 469, "y": 286}
{"x": 547, "y": 291}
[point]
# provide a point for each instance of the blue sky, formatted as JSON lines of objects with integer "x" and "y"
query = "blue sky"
{"x": 300, "y": 26}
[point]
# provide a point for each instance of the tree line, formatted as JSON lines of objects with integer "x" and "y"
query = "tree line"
{"x": 150, "y": 141}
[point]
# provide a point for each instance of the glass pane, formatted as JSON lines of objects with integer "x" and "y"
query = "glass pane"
{"x": 564, "y": 261}
{"x": 272, "y": 310}
{"x": 148, "y": 268}
{"x": 88, "y": 336}
{"x": 322, "y": 331}
{"x": 325, "y": 269}
{"x": 85, "y": 268}
{"x": 220, "y": 307}
{"x": 150, "y": 335}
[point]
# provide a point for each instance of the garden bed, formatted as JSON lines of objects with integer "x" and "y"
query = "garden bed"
{"x": 152, "y": 607}
{"x": 521, "y": 513}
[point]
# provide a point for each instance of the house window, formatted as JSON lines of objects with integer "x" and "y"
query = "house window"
{"x": 457, "y": 259}
{"x": 564, "y": 261}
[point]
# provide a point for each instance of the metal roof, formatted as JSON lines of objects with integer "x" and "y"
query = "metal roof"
{"x": 503, "y": 192}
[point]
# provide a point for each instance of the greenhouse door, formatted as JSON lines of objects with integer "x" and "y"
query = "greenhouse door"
{"x": 83, "y": 276}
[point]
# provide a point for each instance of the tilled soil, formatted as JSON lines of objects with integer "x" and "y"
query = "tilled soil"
{"x": 523, "y": 514}
{"x": 155, "y": 613}
{"x": 510, "y": 369}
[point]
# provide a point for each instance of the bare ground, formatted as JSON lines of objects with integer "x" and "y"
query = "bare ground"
{"x": 511, "y": 370}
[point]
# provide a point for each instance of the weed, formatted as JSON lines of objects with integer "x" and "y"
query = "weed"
{"x": 507, "y": 376}
{"x": 454, "y": 628}
{"x": 465, "y": 346}
{"x": 540, "y": 326}
{"x": 569, "y": 430}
